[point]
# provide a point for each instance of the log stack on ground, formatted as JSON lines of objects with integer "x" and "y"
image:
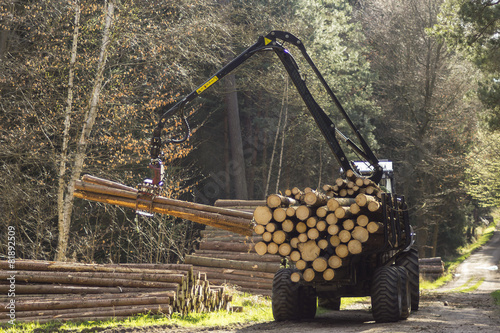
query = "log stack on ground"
{"x": 431, "y": 268}
{"x": 321, "y": 231}
{"x": 106, "y": 191}
{"x": 46, "y": 291}
{"x": 228, "y": 258}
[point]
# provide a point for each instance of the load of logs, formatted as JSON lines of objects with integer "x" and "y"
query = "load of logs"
{"x": 227, "y": 258}
{"x": 319, "y": 231}
{"x": 106, "y": 191}
{"x": 46, "y": 291}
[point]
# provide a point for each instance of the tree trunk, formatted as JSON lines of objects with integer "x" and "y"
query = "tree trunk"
{"x": 65, "y": 218}
{"x": 237, "y": 163}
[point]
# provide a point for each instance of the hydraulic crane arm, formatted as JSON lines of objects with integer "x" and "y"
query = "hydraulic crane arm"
{"x": 274, "y": 42}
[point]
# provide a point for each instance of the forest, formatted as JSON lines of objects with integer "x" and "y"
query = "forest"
{"x": 82, "y": 83}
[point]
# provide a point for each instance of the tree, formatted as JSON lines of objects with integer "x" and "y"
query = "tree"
{"x": 427, "y": 125}
{"x": 471, "y": 26}
{"x": 88, "y": 124}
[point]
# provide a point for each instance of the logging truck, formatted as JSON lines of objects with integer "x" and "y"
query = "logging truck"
{"x": 378, "y": 261}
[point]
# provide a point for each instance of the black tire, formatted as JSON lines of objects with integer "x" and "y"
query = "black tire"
{"x": 307, "y": 302}
{"x": 330, "y": 303}
{"x": 409, "y": 260}
{"x": 405, "y": 292}
{"x": 386, "y": 294}
{"x": 285, "y": 296}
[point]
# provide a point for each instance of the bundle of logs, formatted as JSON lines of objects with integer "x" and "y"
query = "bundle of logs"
{"x": 46, "y": 291}
{"x": 319, "y": 231}
{"x": 106, "y": 191}
{"x": 226, "y": 257}
{"x": 431, "y": 268}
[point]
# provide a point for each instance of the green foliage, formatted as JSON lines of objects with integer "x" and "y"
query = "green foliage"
{"x": 426, "y": 125}
{"x": 471, "y": 27}
{"x": 483, "y": 175}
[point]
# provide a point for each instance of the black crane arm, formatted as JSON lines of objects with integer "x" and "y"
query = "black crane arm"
{"x": 271, "y": 42}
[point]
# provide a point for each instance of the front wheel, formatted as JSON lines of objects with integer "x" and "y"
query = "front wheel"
{"x": 409, "y": 260}
{"x": 285, "y": 296}
{"x": 386, "y": 294}
{"x": 405, "y": 292}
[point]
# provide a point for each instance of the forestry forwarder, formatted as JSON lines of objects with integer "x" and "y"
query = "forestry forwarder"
{"x": 390, "y": 273}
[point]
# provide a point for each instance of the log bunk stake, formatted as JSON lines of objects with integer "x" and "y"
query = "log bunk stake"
{"x": 62, "y": 291}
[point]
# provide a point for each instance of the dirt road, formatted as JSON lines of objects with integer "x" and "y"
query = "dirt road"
{"x": 448, "y": 309}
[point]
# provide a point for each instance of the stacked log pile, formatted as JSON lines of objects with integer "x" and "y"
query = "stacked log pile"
{"x": 431, "y": 268}
{"x": 226, "y": 257}
{"x": 321, "y": 231}
{"x": 106, "y": 191}
{"x": 46, "y": 291}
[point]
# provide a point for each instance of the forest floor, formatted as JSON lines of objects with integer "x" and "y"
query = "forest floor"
{"x": 463, "y": 305}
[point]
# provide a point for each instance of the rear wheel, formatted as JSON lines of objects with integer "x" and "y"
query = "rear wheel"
{"x": 409, "y": 260}
{"x": 386, "y": 295}
{"x": 285, "y": 296}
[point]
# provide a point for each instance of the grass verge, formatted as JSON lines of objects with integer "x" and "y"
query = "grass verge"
{"x": 255, "y": 309}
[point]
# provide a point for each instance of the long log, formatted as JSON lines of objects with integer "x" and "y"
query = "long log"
{"x": 232, "y": 239}
{"x": 134, "y": 194}
{"x": 91, "y": 312}
{"x": 78, "y": 304}
{"x": 85, "y": 297}
{"x": 431, "y": 269}
{"x": 225, "y": 263}
{"x": 70, "y": 289}
{"x": 239, "y": 203}
{"x": 238, "y": 256}
{"x": 236, "y": 224}
{"x": 208, "y": 270}
{"x": 79, "y": 267}
{"x": 87, "y": 281}
{"x": 46, "y": 276}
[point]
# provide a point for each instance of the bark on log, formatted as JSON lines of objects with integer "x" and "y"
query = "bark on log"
{"x": 276, "y": 200}
{"x": 78, "y": 304}
{"x": 78, "y": 267}
{"x": 314, "y": 198}
{"x": 227, "y": 222}
{"x": 90, "y": 278}
{"x": 239, "y": 203}
{"x": 93, "y": 312}
{"x": 223, "y": 246}
{"x": 238, "y": 256}
{"x": 233, "y": 264}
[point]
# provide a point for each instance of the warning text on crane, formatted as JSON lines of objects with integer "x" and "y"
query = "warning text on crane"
{"x": 207, "y": 84}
